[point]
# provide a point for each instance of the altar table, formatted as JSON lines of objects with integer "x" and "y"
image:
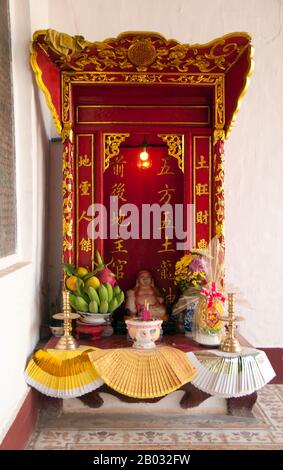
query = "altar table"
{"x": 191, "y": 398}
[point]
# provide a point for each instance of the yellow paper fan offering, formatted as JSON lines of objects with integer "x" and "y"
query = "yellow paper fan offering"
{"x": 66, "y": 371}
{"x": 143, "y": 374}
{"x": 62, "y": 374}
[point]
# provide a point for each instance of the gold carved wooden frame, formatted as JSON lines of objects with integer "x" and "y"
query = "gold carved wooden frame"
{"x": 133, "y": 66}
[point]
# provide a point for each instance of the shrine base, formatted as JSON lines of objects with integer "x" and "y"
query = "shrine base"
{"x": 188, "y": 399}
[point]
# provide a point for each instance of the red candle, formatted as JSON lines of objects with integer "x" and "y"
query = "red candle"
{"x": 146, "y": 315}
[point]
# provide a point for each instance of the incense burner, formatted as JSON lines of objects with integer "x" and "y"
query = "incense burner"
{"x": 144, "y": 333}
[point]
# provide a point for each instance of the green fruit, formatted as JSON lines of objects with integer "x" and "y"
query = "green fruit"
{"x": 116, "y": 290}
{"x": 81, "y": 304}
{"x": 120, "y": 298}
{"x": 109, "y": 291}
{"x": 93, "y": 307}
{"x": 103, "y": 293}
{"x": 93, "y": 294}
{"x": 113, "y": 305}
{"x": 104, "y": 306}
{"x": 72, "y": 301}
{"x": 99, "y": 258}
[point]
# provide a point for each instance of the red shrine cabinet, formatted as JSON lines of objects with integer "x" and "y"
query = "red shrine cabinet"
{"x": 109, "y": 100}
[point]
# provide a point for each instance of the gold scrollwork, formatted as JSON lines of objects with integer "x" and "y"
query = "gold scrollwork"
{"x": 111, "y": 145}
{"x": 196, "y": 79}
{"x": 219, "y": 194}
{"x": 137, "y": 53}
{"x": 143, "y": 50}
{"x": 92, "y": 77}
{"x": 218, "y": 134}
{"x": 219, "y": 103}
{"x": 67, "y": 193}
{"x": 224, "y": 50}
{"x": 142, "y": 77}
{"x": 67, "y": 132}
{"x": 175, "y": 143}
{"x": 66, "y": 97}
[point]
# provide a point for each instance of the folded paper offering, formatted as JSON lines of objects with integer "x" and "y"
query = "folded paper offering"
{"x": 143, "y": 374}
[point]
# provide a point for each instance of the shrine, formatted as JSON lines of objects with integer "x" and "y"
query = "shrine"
{"x": 106, "y": 98}
{"x": 143, "y": 122}
{"x": 141, "y": 325}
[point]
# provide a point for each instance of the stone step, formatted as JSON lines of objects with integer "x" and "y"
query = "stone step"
{"x": 169, "y": 405}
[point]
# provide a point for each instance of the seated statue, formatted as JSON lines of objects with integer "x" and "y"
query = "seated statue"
{"x": 143, "y": 293}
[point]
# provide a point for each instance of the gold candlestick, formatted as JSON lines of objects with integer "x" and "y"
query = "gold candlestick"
{"x": 66, "y": 341}
{"x": 230, "y": 343}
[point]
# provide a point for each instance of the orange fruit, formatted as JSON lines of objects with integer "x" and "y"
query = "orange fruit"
{"x": 92, "y": 282}
{"x": 71, "y": 283}
{"x": 81, "y": 272}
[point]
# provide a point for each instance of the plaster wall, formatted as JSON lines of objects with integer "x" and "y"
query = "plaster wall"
{"x": 21, "y": 283}
{"x": 254, "y": 160}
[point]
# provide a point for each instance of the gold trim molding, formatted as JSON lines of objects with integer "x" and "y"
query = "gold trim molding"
{"x": 141, "y": 51}
{"x": 219, "y": 202}
{"x": 48, "y": 98}
{"x": 67, "y": 132}
{"x": 243, "y": 92}
{"x": 218, "y": 134}
{"x": 215, "y": 80}
{"x": 68, "y": 197}
{"x": 141, "y": 58}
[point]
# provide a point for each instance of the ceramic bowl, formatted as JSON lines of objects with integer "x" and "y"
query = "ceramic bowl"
{"x": 144, "y": 333}
{"x": 57, "y": 331}
{"x": 94, "y": 318}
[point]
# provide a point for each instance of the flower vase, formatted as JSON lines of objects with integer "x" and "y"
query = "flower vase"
{"x": 208, "y": 329}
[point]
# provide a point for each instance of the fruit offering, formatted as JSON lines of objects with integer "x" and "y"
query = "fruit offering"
{"x": 93, "y": 292}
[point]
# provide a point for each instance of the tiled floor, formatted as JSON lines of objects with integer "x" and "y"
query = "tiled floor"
{"x": 95, "y": 429}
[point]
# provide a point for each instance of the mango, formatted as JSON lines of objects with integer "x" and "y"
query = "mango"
{"x": 104, "y": 306}
{"x": 93, "y": 307}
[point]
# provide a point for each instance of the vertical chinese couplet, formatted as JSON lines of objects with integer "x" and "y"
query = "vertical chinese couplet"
{"x": 84, "y": 199}
{"x": 202, "y": 189}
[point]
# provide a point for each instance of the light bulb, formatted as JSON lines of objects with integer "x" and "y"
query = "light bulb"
{"x": 144, "y": 155}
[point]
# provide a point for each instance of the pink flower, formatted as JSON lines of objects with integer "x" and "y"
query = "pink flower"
{"x": 197, "y": 264}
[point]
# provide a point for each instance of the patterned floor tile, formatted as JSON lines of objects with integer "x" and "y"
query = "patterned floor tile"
{"x": 81, "y": 431}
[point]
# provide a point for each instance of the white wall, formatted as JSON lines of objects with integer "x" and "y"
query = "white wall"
{"x": 21, "y": 299}
{"x": 254, "y": 160}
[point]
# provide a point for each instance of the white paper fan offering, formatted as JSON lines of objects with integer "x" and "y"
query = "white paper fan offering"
{"x": 231, "y": 374}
